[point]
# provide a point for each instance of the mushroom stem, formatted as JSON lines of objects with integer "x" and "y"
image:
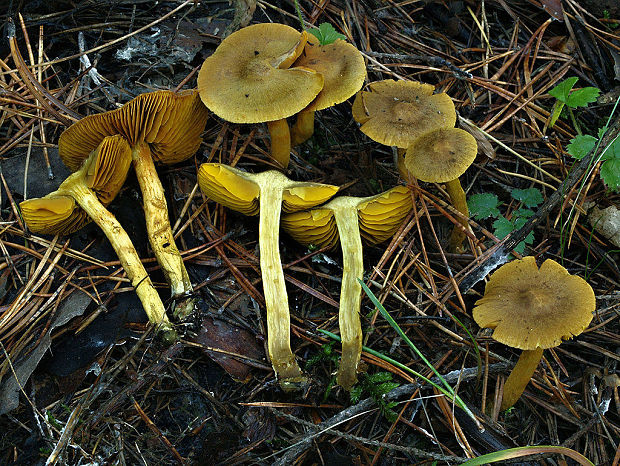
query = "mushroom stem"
{"x": 280, "y": 141}
{"x": 158, "y": 223}
{"x": 459, "y": 201}
{"x": 350, "y": 294}
{"x": 303, "y": 128}
{"x": 520, "y": 376}
{"x": 125, "y": 251}
{"x": 276, "y": 301}
{"x": 399, "y": 161}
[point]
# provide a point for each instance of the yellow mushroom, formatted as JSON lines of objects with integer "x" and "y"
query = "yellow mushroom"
{"x": 162, "y": 127}
{"x": 266, "y": 194}
{"x": 248, "y": 80}
{"x": 375, "y": 219}
{"x": 82, "y": 197}
{"x": 344, "y": 72}
{"x": 533, "y": 309}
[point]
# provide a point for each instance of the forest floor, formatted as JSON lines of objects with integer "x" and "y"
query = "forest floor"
{"x": 96, "y": 386}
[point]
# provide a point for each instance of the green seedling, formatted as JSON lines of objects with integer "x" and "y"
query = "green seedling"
{"x": 376, "y": 386}
{"x": 582, "y": 144}
{"x": 566, "y": 96}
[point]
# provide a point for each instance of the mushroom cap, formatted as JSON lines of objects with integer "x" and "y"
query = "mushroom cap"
{"x": 169, "y": 122}
{"x": 247, "y": 79}
{"x": 395, "y": 113}
{"x": 441, "y": 155}
{"x": 379, "y": 217}
{"x": 531, "y": 308}
{"x": 342, "y": 67}
{"x": 240, "y": 190}
{"x": 104, "y": 172}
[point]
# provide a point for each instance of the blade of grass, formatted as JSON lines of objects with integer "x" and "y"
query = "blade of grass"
{"x": 519, "y": 452}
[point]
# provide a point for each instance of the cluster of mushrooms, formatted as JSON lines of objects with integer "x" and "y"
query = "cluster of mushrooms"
{"x": 268, "y": 73}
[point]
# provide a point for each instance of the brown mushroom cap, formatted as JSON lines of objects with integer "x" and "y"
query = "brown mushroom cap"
{"x": 342, "y": 67}
{"x": 441, "y": 155}
{"x": 104, "y": 172}
{"x": 395, "y": 113}
{"x": 531, "y": 308}
{"x": 247, "y": 79}
{"x": 169, "y": 122}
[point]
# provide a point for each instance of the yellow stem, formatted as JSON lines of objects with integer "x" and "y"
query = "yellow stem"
{"x": 303, "y": 128}
{"x": 276, "y": 301}
{"x": 151, "y": 302}
{"x": 459, "y": 201}
{"x": 280, "y": 141}
{"x": 158, "y": 224}
{"x": 350, "y": 294}
{"x": 520, "y": 377}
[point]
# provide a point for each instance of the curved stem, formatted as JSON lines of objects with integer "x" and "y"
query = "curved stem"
{"x": 520, "y": 377}
{"x": 350, "y": 295}
{"x": 459, "y": 201}
{"x": 399, "y": 161}
{"x": 280, "y": 141}
{"x": 151, "y": 302}
{"x": 303, "y": 128}
{"x": 158, "y": 223}
{"x": 276, "y": 301}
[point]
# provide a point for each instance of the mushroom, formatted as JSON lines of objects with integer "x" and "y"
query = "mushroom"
{"x": 343, "y": 70}
{"x": 160, "y": 126}
{"x": 533, "y": 309}
{"x": 394, "y": 113}
{"x": 375, "y": 219}
{"x": 82, "y": 197}
{"x": 441, "y": 156}
{"x": 266, "y": 193}
{"x": 248, "y": 80}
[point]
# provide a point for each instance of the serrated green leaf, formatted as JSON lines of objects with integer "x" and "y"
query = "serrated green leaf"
{"x": 581, "y": 146}
{"x": 502, "y": 227}
{"x": 326, "y": 34}
{"x": 525, "y": 213}
{"x": 610, "y": 173}
{"x": 562, "y": 90}
{"x": 483, "y": 205}
{"x": 531, "y": 197}
{"x": 612, "y": 151}
{"x": 583, "y": 97}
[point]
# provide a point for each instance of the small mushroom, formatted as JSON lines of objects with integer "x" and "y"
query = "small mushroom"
{"x": 375, "y": 219}
{"x": 248, "y": 80}
{"x": 343, "y": 70}
{"x": 441, "y": 156}
{"x": 82, "y": 197}
{"x": 162, "y": 127}
{"x": 266, "y": 194}
{"x": 533, "y": 309}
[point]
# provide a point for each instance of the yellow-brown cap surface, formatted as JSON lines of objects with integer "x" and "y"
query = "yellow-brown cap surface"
{"x": 342, "y": 67}
{"x": 247, "y": 79}
{"x": 531, "y": 308}
{"x": 171, "y": 123}
{"x": 395, "y": 113}
{"x": 441, "y": 155}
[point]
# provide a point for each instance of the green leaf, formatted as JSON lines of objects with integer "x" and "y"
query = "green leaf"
{"x": 483, "y": 206}
{"x": 612, "y": 151}
{"x": 581, "y": 146}
{"x": 531, "y": 197}
{"x": 387, "y": 387}
{"x": 562, "y": 90}
{"x": 583, "y": 97}
{"x": 326, "y": 34}
{"x": 610, "y": 173}
{"x": 379, "y": 377}
{"x": 525, "y": 213}
{"x": 556, "y": 111}
{"x": 503, "y": 227}
{"x": 356, "y": 393}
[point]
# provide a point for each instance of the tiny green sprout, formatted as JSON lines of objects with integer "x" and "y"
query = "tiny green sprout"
{"x": 326, "y": 34}
{"x": 565, "y": 95}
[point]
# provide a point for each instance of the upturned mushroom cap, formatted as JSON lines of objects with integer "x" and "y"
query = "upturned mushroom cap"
{"x": 441, "y": 155}
{"x": 379, "y": 217}
{"x": 394, "y": 113}
{"x": 169, "y": 122}
{"x": 531, "y": 308}
{"x": 104, "y": 172}
{"x": 342, "y": 67}
{"x": 247, "y": 79}
{"x": 240, "y": 191}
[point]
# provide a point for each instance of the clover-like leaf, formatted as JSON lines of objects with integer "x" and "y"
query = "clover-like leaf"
{"x": 326, "y": 34}
{"x": 531, "y": 197}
